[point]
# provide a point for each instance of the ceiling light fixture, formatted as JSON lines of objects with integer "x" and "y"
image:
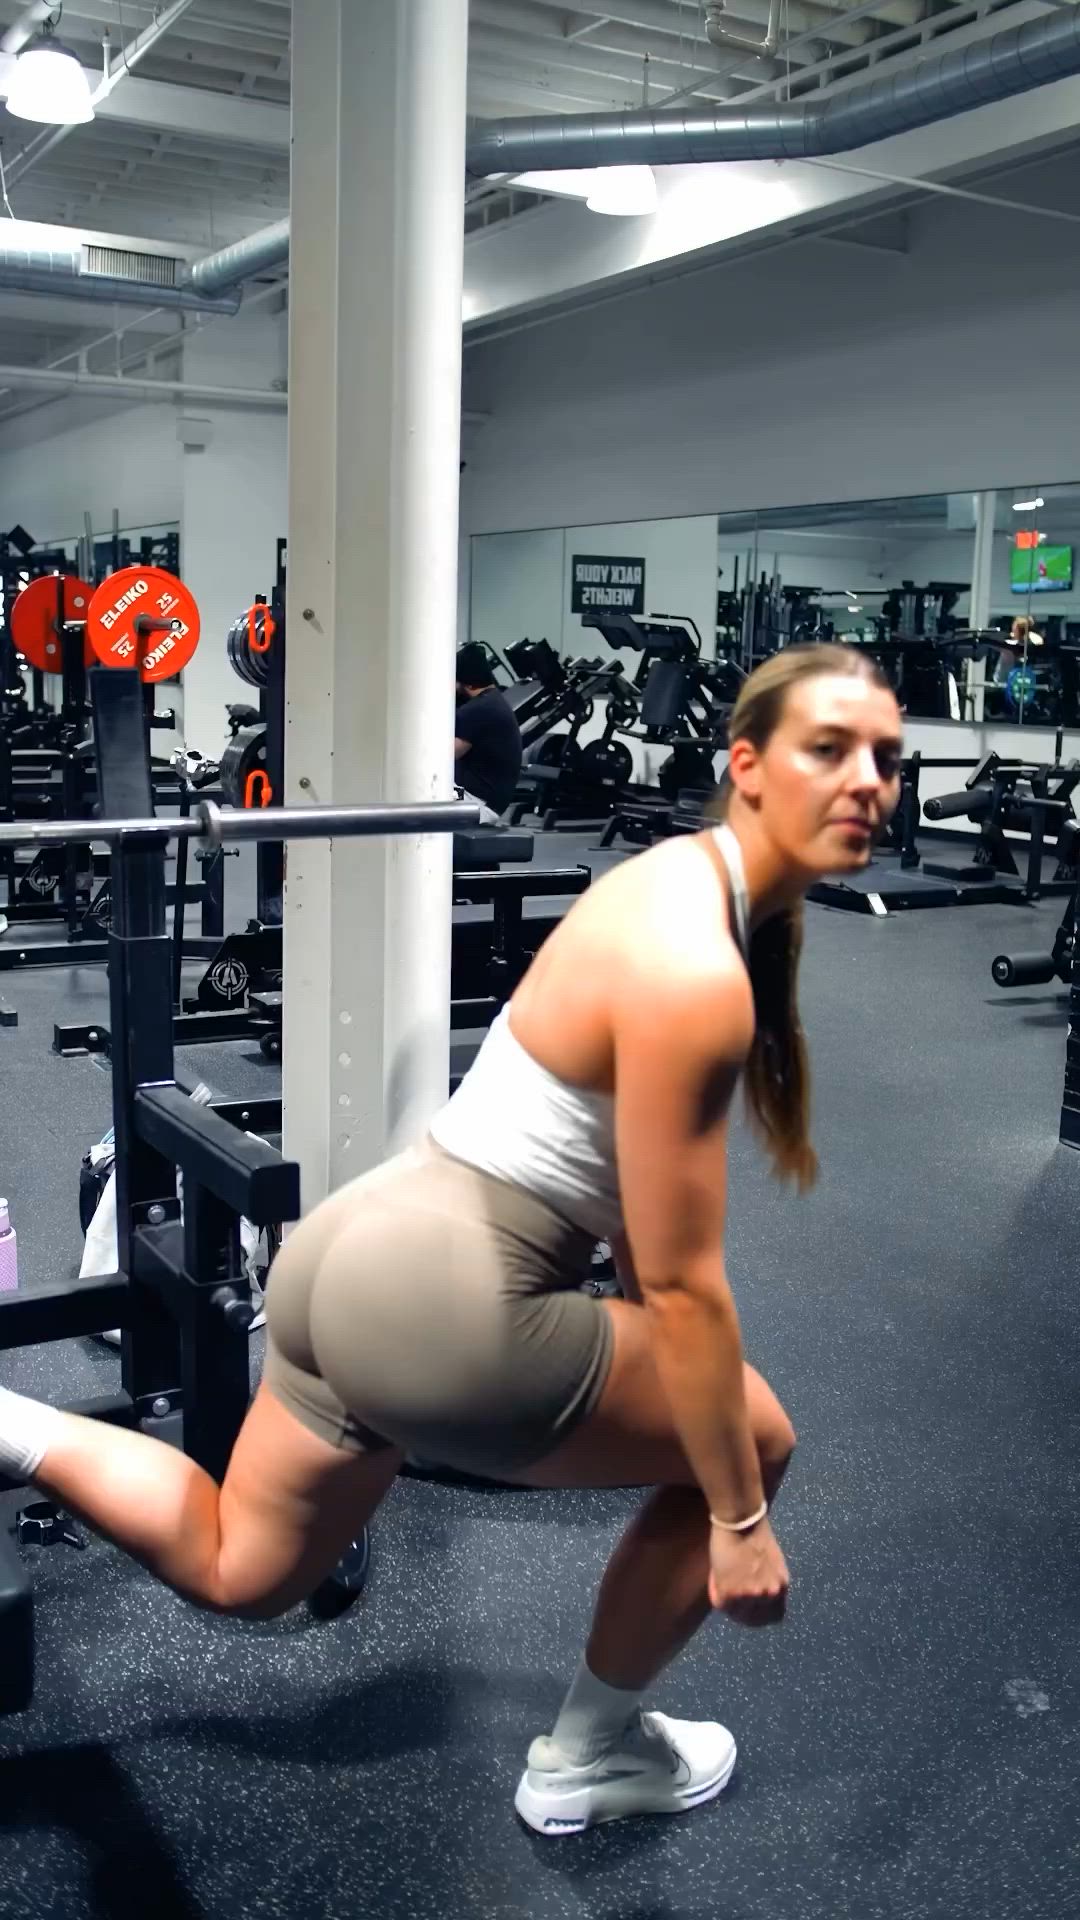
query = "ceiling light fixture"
{"x": 49, "y": 85}
{"x": 1028, "y": 506}
{"x": 617, "y": 190}
{"x": 622, "y": 190}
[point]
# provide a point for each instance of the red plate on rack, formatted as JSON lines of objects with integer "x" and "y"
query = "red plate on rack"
{"x": 37, "y": 613}
{"x": 144, "y": 617}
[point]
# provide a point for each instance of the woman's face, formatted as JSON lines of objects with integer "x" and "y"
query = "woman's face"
{"x": 828, "y": 778}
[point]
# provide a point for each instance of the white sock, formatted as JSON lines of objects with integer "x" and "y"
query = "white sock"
{"x": 593, "y": 1718}
{"x": 27, "y": 1430}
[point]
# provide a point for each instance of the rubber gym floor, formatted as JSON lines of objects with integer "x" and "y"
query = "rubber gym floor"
{"x": 909, "y": 1739}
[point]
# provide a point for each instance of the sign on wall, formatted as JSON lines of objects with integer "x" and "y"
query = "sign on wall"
{"x": 598, "y": 582}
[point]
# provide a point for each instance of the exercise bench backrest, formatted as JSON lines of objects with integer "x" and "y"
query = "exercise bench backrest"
{"x": 664, "y": 694}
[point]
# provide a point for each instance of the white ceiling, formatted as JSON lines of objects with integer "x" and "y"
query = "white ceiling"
{"x": 208, "y": 187}
{"x": 191, "y": 149}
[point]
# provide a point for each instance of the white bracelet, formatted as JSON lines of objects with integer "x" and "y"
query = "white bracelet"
{"x": 740, "y": 1526}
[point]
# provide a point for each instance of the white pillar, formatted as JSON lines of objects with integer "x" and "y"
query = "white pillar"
{"x": 982, "y": 564}
{"x": 378, "y": 106}
{"x": 983, "y": 558}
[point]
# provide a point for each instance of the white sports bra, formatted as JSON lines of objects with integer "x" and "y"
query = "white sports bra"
{"x": 512, "y": 1118}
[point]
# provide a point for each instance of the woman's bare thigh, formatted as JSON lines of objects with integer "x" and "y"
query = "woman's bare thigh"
{"x": 631, "y": 1439}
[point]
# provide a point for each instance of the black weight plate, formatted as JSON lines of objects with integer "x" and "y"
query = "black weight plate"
{"x": 609, "y": 765}
{"x": 251, "y": 663}
{"x": 234, "y": 648}
{"x": 244, "y": 755}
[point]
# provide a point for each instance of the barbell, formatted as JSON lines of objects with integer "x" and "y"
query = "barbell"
{"x": 212, "y": 825}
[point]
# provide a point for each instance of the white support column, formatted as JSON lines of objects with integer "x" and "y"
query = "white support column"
{"x": 378, "y": 105}
{"x": 982, "y": 562}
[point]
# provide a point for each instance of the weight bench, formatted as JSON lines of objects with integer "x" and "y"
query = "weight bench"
{"x": 489, "y": 847}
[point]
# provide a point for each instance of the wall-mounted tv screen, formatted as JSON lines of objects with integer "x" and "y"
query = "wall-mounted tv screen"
{"x": 1041, "y": 569}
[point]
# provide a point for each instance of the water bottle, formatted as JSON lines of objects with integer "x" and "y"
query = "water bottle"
{"x": 9, "y": 1274}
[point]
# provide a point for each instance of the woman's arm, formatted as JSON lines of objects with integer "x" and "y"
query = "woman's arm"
{"x": 679, "y": 1048}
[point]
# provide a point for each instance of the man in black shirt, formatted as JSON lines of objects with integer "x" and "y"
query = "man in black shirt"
{"x": 487, "y": 739}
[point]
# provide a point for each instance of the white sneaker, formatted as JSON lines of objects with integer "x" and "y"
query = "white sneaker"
{"x": 661, "y": 1766}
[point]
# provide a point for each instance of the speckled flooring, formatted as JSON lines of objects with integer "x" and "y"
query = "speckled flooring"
{"x": 909, "y": 1739}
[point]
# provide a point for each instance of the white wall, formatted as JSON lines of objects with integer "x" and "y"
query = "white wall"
{"x": 515, "y": 588}
{"x": 680, "y": 576}
{"x": 521, "y": 582}
{"x": 234, "y": 496}
{"x": 79, "y": 455}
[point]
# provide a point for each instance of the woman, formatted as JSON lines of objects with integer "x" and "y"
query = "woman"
{"x": 434, "y": 1306}
{"x": 1022, "y": 636}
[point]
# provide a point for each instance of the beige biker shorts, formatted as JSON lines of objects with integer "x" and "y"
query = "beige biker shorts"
{"x": 435, "y": 1308}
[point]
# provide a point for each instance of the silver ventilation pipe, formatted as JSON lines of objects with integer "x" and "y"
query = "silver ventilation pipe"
{"x": 996, "y": 68}
{"x": 719, "y": 34}
{"x": 216, "y": 271}
{"x": 32, "y": 265}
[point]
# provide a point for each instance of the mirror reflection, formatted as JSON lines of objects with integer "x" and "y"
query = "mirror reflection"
{"x": 968, "y": 600}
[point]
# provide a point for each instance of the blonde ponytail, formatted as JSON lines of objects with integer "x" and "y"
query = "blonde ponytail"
{"x": 777, "y": 1075}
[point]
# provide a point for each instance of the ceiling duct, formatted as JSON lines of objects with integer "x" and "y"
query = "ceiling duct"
{"x": 259, "y": 251}
{"x": 39, "y": 259}
{"x": 936, "y": 88}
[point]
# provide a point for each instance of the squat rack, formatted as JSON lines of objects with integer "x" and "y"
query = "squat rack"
{"x": 179, "y": 1296}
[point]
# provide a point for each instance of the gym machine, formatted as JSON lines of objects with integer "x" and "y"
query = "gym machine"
{"x": 999, "y": 797}
{"x": 773, "y": 616}
{"x": 685, "y": 700}
{"x": 563, "y": 783}
{"x": 685, "y": 704}
{"x": 179, "y": 1294}
{"x": 1003, "y": 796}
{"x": 1039, "y": 968}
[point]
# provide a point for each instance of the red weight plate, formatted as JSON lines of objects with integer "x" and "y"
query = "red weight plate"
{"x": 33, "y": 620}
{"x": 145, "y": 617}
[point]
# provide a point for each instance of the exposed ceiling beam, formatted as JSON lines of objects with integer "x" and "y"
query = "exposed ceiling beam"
{"x": 47, "y": 138}
{"x": 656, "y": 17}
{"x": 798, "y": 21}
{"x": 195, "y": 110}
{"x": 532, "y": 56}
{"x": 213, "y": 21}
{"x": 568, "y": 93}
